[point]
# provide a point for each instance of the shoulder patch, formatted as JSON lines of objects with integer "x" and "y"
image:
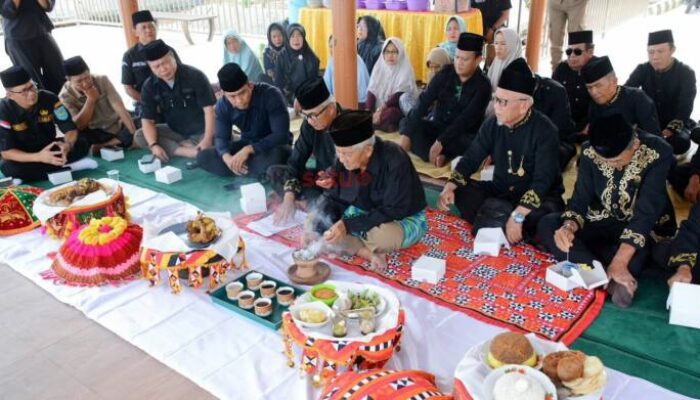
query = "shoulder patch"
{"x": 61, "y": 113}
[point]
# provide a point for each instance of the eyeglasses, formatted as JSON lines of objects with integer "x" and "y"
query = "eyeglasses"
{"x": 504, "y": 102}
{"x": 391, "y": 52}
{"x": 576, "y": 52}
{"x": 314, "y": 116}
{"x": 25, "y": 92}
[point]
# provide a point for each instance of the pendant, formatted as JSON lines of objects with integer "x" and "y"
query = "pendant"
{"x": 521, "y": 171}
{"x": 510, "y": 170}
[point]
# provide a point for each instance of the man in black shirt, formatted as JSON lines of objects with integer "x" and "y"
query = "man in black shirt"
{"x": 619, "y": 202}
{"x": 377, "y": 204}
{"x": 184, "y": 97}
{"x": 671, "y": 85}
{"x": 450, "y": 110}
{"x": 28, "y": 119}
{"x": 550, "y": 99}
{"x": 28, "y": 41}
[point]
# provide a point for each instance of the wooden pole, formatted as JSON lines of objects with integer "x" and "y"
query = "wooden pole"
{"x": 535, "y": 28}
{"x": 345, "y": 53}
{"x": 126, "y": 8}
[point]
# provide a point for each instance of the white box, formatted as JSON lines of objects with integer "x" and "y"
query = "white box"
{"x": 112, "y": 153}
{"x": 428, "y": 269}
{"x": 587, "y": 279}
{"x": 683, "y": 302}
{"x": 168, "y": 175}
{"x": 147, "y": 168}
{"x": 253, "y": 200}
{"x": 61, "y": 176}
{"x": 487, "y": 173}
{"x": 489, "y": 241}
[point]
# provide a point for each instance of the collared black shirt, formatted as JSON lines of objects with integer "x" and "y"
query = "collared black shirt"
{"x": 532, "y": 144}
{"x": 309, "y": 143}
{"x": 459, "y": 107}
{"x": 389, "y": 190}
{"x": 182, "y": 105}
{"x": 551, "y": 100}
{"x": 634, "y": 105}
{"x": 135, "y": 69}
{"x": 264, "y": 125}
{"x": 30, "y": 131}
{"x": 27, "y": 21}
{"x": 672, "y": 91}
{"x": 686, "y": 245}
{"x": 635, "y": 195}
{"x": 579, "y": 98}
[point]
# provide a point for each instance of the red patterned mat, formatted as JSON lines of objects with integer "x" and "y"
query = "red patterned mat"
{"x": 508, "y": 291}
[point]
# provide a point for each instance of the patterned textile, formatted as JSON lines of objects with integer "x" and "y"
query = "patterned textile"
{"x": 508, "y": 291}
{"x": 384, "y": 385}
{"x": 414, "y": 227}
{"x": 16, "y": 214}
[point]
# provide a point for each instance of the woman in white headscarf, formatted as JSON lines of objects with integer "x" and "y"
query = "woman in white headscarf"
{"x": 508, "y": 48}
{"x": 392, "y": 76}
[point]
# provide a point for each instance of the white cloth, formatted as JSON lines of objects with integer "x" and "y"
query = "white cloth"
{"x": 389, "y": 79}
{"x": 515, "y": 50}
{"x": 234, "y": 358}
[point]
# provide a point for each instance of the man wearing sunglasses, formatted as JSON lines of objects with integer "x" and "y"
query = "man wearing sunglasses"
{"x": 294, "y": 181}
{"x": 259, "y": 112}
{"x": 28, "y": 121}
{"x": 619, "y": 202}
{"x": 671, "y": 85}
{"x": 610, "y": 98}
{"x": 523, "y": 144}
{"x": 568, "y": 73}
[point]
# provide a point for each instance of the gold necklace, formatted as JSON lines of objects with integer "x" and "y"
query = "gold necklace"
{"x": 521, "y": 170}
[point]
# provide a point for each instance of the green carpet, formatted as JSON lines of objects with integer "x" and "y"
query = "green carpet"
{"x": 637, "y": 341}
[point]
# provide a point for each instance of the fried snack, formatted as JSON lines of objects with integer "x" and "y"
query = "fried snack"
{"x": 65, "y": 196}
{"x": 202, "y": 229}
{"x": 564, "y": 365}
{"x": 511, "y": 348}
{"x": 550, "y": 363}
{"x": 593, "y": 378}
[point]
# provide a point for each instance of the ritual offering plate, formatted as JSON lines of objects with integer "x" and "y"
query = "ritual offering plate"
{"x": 511, "y": 348}
{"x": 66, "y": 195}
{"x": 271, "y": 314}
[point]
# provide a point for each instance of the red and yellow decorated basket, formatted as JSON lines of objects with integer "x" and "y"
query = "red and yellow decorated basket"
{"x": 16, "y": 214}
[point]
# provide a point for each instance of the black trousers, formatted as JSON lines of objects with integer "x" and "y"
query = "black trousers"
{"x": 567, "y": 151}
{"x": 680, "y": 141}
{"x": 41, "y": 57}
{"x": 209, "y": 160}
{"x": 679, "y": 176}
{"x": 276, "y": 176}
{"x": 34, "y": 171}
{"x": 595, "y": 241}
{"x": 99, "y": 136}
{"x": 424, "y": 133}
{"x": 470, "y": 200}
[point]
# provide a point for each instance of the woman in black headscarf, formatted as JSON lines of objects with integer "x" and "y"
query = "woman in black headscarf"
{"x": 296, "y": 64}
{"x": 276, "y": 40}
{"x": 370, "y": 39}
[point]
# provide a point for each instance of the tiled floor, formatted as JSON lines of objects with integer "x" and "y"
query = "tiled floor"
{"x": 49, "y": 350}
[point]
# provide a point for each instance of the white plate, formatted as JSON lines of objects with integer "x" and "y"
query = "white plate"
{"x": 316, "y": 305}
{"x": 381, "y": 307}
{"x": 484, "y": 353}
{"x": 494, "y": 375}
{"x": 105, "y": 187}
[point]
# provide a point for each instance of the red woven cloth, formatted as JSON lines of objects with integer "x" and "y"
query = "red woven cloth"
{"x": 509, "y": 291}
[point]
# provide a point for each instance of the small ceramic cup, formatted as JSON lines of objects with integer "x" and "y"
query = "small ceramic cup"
{"x": 263, "y": 307}
{"x": 267, "y": 289}
{"x": 232, "y": 290}
{"x": 246, "y": 299}
{"x": 253, "y": 280}
{"x": 285, "y": 295}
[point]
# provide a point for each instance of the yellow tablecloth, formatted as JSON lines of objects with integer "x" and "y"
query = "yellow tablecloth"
{"x": 420, "y": 31}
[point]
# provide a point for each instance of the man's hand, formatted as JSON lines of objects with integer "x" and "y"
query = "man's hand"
{"x": 92, "y": 93}
{"x": 65, "y": 149}
{"x": 514, "y": 231}
{"x": 325, "y": 180}
{"x": 435, "y": 151}
{"x": 667, "y": 133}
{"x": 619, "y": 272}
{"x": 564, "y": 238}
{"x": 285, "y": 212}
{"x": 237, "y": 162}
{"x": 693, "y": 189}
{"x": 160, "y": 153}
{"x": 336, "y": 233}
{"x": 683, "y": 275}
{"x": 447, "y": 197}
{"x": 52, "y": 157}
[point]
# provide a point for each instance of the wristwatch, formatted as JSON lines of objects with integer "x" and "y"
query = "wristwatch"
{"x": 517, "y": 217}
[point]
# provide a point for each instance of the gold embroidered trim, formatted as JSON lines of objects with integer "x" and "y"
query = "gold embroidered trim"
{"x": 614, "y": 98}
{"x": 684, "y": 258}
{"x": 572, "y": 215}
{"x": 675, "y": 126}
{"x": 642, "y": 159}
{"x": 292, "y": 185}
{"x": 636, "y": 238}
{"x": 530, "y": 198}
{"x": 524, "y": 120}
{"x": 458, "y": 178}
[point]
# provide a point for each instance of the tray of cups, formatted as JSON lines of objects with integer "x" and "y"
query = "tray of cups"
{"x": 258, "y": 297}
